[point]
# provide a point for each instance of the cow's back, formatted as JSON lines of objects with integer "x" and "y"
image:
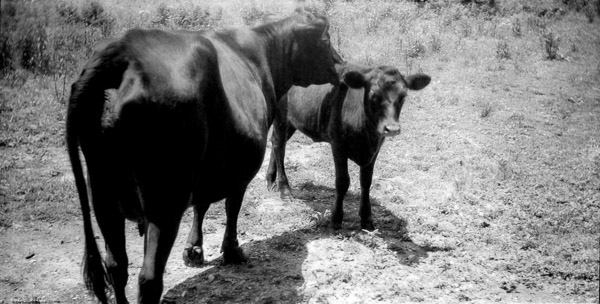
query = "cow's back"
{"x": 326, "y": 113}
{"x": 310, "y": 108}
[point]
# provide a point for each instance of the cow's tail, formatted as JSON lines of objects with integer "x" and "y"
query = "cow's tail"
{"x": 83, "y": 128}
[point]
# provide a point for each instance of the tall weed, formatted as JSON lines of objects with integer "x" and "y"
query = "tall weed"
{"x": 252, "y": 15}
{"x": 550, "y": 45}
{"x": 435, "y": 43}
{"x": 503, "y": 49}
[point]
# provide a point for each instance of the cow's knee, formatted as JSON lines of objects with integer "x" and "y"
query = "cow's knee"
{"x": 366, "y": 217}
{"x": 342, "y": 183}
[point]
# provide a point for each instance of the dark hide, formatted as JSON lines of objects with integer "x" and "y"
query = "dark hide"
{"x": 354, "y": 121}
{"x": 188, "y": 128}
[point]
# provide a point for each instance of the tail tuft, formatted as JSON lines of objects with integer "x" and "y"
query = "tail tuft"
{"x": 94, "y": 272}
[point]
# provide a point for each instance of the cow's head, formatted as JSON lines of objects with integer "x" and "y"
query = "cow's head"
{"x": 313, "y": 57}
{"x": 387, "y": 89}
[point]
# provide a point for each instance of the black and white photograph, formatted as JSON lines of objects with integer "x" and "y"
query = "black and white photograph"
{"x": 299, "y": 151}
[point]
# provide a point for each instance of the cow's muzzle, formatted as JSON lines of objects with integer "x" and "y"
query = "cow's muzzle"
{"x": 391, "y": 130}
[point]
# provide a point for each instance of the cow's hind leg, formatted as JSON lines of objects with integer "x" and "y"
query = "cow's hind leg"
{"x": 113, "y": 230}
{"x": 159, "y": 238}
{"x": 112, "y": 225}
{"x": 193, "y": 254}
{"x": 342, "y": 183}
{"x": 232, "y": 253}
{"x": 366, "y": 177}
{"x": 164, "y": 203}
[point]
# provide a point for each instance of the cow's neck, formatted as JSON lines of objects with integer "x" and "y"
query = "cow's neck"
{"x": 278, "y": 39}
{"x": 357, "y": 121}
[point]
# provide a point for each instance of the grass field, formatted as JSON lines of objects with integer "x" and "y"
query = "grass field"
{"x": 490, "y": 194}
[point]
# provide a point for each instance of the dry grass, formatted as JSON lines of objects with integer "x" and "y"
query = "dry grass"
{"x": 490, "y": 194}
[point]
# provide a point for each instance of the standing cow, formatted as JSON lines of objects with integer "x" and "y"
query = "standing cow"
{"x": 355, "y": 123}
{"x": 189, "y": 128}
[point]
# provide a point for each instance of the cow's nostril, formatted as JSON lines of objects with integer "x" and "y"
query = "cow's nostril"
{"x": 391, "y": 129}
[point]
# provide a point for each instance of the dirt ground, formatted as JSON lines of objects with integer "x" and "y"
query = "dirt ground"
{"x": 441, "y": 206}
{"x": 490, "y": 194}
{"x": 294, "y": 257}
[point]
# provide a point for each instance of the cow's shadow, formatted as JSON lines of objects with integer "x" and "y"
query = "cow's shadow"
{"x": 274, "y": 273}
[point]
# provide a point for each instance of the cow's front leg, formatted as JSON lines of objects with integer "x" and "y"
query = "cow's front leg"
{"x": 366, "y": 177}
{"x": 232, "y": 253}
{"x": 342, "y": 183}
{"x": 276, "y": 176}
{"x": 193, "y": 254}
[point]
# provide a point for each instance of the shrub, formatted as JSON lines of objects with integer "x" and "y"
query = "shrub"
{"x": 550, "y": 45}
{"x": 590, "y": 12}
{"x": 48, "y": 39}
{"x": 578, "y": 5}
{"x": 323, "y": 8}
{"x": 92, "y": 13}
{"x": 417, "y": 49}
{"x": 537, "y": 23}
{"x": 517, "y": 28}
{"x": 32, "y": 47}
{"x": 252, "y": 15}
{"x": 6, "y": 58}
{"x": 162, "y": 15}
{"x": 9, "y": 9}
{"x": 197, "y": 18}
{"x": 465, "y": 29}
{"x": 435, "y": 44}
{"x": 503, "y": 49}
{"x": 68, "y": 13}
{"x": 486, "y": 109}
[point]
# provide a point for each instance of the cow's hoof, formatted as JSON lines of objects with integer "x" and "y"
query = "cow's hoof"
{"x": 336, "y": 225}
{"x": 234, "y": 256}
{"x": 271, "y": 186}
{"x": 367, "y": 226}
{"x": 336, "y": 220}
{"x": 193, "y": 256}
{"x": 286, "y": 193}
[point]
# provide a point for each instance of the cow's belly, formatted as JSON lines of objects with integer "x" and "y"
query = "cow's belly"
{"x": 228, "y": 168}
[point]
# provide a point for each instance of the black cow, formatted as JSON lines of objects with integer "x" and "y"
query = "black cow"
{"x": 354, "y": 121}
{"x": 188, "y": 128}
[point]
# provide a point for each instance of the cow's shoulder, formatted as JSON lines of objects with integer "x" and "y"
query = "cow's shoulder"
{"x": 242, "y": 42}
{"x": 243, "y": 78}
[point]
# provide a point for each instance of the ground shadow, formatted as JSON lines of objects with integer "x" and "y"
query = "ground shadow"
{"x": 274, "y": 271}
{"x": 389, "y": 227}
{"x": 273, "y": 274}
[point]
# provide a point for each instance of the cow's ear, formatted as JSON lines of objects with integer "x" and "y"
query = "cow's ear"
{"x": 417, "y": 81}
{"x": 354, "y": 79}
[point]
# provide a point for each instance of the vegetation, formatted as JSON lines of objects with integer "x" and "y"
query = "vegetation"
{"x": 490, "y": 194}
